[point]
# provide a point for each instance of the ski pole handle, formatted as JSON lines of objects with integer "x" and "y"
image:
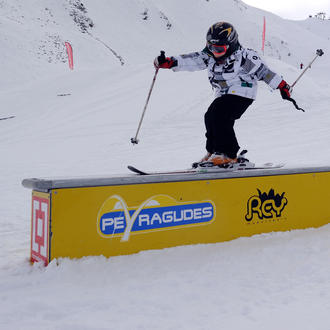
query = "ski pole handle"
{"x": 135, "y": 139}
{"x": 319, "y": 52}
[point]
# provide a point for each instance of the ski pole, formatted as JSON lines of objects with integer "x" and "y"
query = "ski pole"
{"x": 319, "y": 52}
{"x": 135, "y": 140}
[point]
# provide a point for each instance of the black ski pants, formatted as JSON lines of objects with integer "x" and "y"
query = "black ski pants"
{"x": 219, "y": 122}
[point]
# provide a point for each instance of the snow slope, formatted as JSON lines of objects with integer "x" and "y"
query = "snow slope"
{"x": 271, "y": 281}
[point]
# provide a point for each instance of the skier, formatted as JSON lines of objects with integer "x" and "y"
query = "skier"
{"x": 233, "y": 72}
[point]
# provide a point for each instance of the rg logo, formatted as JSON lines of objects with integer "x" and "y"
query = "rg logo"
{"x": 40, "y": 229}
{"x": 265, "y": 206}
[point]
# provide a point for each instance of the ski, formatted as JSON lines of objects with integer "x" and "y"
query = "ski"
{"x": 140, "y": 172}
{"x": 5, "y": 118}
{"x": 213, "y": 169}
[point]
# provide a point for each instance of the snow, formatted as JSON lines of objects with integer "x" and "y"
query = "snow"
{"x": 269, "y": 281}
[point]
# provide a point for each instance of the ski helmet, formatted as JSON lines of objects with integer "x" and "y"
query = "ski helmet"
{"x": 222, "y": 39}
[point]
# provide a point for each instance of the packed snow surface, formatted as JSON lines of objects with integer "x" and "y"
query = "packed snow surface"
{"x": 79, "y": 123}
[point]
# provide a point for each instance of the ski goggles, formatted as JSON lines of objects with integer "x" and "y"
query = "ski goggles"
{"x": 216, "y": 49}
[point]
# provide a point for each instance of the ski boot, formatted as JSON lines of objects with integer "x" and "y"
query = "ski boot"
{"x": 204, "y": 159}
{"x": 220, "y": 160}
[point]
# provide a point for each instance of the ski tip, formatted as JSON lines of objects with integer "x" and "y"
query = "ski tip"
{"x": 135, "y": 170}
{"x": 276, "y": 164}
{"x": 270, "y": 165}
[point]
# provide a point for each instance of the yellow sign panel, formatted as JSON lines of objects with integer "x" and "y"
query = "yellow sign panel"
{"x": 124, "y": 219}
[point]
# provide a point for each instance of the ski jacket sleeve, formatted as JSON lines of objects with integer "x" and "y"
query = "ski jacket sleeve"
{"x": 191, "y": 62}
{"x": 253, "y": 65}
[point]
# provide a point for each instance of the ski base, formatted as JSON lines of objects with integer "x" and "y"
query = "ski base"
{"x": 213, "y": 169}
